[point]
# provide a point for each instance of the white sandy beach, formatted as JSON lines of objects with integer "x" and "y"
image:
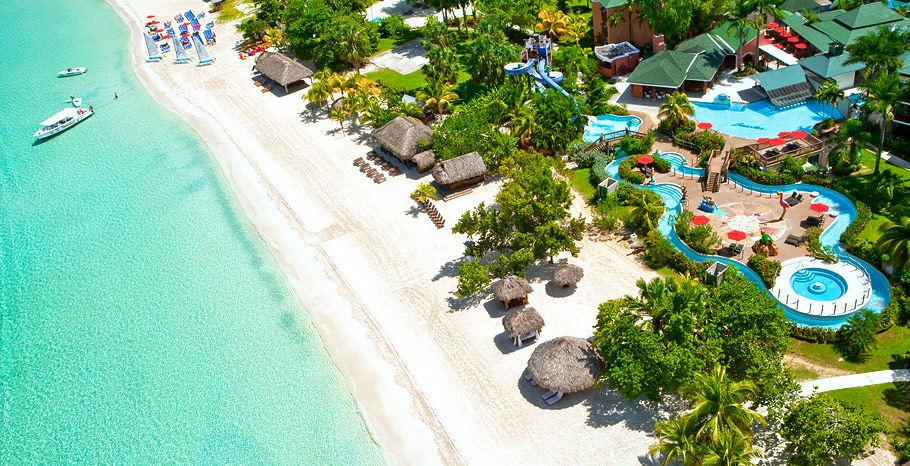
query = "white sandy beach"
{"x": 436, "y": 378}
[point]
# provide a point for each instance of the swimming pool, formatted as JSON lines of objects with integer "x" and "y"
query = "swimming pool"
{"x": 761, "y": 119}
{"x": 818, "y": 284}
{"x": 605, "y": 124}
{"x": 876, "y": 292}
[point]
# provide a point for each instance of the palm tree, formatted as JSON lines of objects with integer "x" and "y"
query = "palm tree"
{"x": 654, "y": 299}
{"x": 858, "y": 333}
{"x": 717, "y": 404}
{"x": 677, "y": 109}
{"x": 895, "y": 241}
{"x": 879, "y": 51}
{"x": 829, "y": 93}
{"x": 339, "y": 115}
{"x": 411, "y": 109}
{"x": 352, "y": 45}
{"x": 318, "y": 93}
{"x": 676, "y": 439}
{"x": 731, "y": 449}
{"x": 553, "y": 24}
{"x": 523, "y": 124}
{"x": 443, "y": 65}
{"x": 437, "y": 95}
{"x": 740, "y": 22}
{"x": 887, "y": 184}
{"x": 853, "y": 134}
{"x": 424, "y": 193}
{"x": 883, "y": 95}
{"x": 577, "y": 29}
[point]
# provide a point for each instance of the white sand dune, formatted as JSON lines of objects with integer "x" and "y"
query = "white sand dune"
{"x": 436, "y": 377}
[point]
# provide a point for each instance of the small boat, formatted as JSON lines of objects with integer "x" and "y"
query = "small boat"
{"x": 76, "y": 101}
{"x": 62, "y": 121}
{"x": 71, "y": 72}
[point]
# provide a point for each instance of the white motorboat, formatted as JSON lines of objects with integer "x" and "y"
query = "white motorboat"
{"x": 71, "y": 72}
{"x": 76, "y": 101}
{"x": 62, "y": 121}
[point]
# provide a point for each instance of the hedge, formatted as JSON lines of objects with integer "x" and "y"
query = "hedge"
{"x": 628, "y": 173}
{"x": 767, "y": 269}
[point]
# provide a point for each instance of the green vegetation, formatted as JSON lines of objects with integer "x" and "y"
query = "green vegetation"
{"x": 581, "y": 181}
{"x": 230, "y": 11}
{"x": 767, "y": 269}
{"x": 894, "y": 341}
{"x": 406, "y": 82}
{"x": 890, "y": 400}
{"x": 701, "y": 238}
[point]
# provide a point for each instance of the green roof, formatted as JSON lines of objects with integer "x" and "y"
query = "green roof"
{"x": 826, "y": 15}
{"x": 807, "y": 33}
{"x": 732, "y": 38}
{"x": 799, "y": 5}
{"x": 610, "y": 3}
{"x": 868, "y": 15}
{"x": 829, "y": 66}
{"x": 711, "y": 52}
{"x": 905, "y": 58}
{"x": 667, "y": 69}
{"x": 781, "y": 77}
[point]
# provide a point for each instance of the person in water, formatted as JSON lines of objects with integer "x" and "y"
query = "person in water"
{"x": 90, "y": 108}
{"x": 115, "y": 95}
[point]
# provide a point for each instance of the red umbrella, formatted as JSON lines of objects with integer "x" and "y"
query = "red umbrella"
{"x": 700, "y": 220}
{"x": 779, "y": 46}
{"x": 166, "y": 36}
{"x": 785, "y": 34}
{"x": 799, "y": 134}
{"x": 793, "y": 40}
{"x": 705, "y": 125}
{"x": 149, "y": 16}
{"x": 736, "y": 235}
{"x": 783, "y": 134}
{"x": 159, "y": 30}
{"x": 185, "y": 24}
{"x": 762, "y": 140}
{"x": 155, "y": 22}
{"x": 645, "y": 159}
{"x": 820, "y": 208}
{"x": 772, "y": 25}
{"x": 778, "y": 30}
{"x": 802, "y": 46}
{"x": 776, "y": 141}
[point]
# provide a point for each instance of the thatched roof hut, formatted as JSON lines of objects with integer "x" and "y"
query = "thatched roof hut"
{"x": 281, "y": 68}
{"x": 424, "y": 160}
{"x": 401, "y": 137}
{"x": 565, "y": 364}
{"x": 522, "y": 322}
{"x": 566, "y": 275}
{"x": 463, "y": 170}
{"x": 511, "y": 291}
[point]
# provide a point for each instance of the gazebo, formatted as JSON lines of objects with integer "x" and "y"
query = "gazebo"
{"x": 281, "y": 68}
{"x": 401, "y": 137}
{"x": 566, "y": 275}
{"x": 464, "y": 170}
{"x": 424, "y": 160}
{"x": 523, "y": 324}
{"x": 512, "y": 291}
{"x": 565, "y": 365}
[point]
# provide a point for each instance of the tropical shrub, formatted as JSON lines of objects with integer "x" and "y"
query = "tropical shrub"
{"x": 632, "y": 146}
{"x": 706, "y": 141}
{"x": 816, "y": 248}
{"x": 393, "y": 27}
{"x": 767, "y": 269}
{"x": 701, "y": 238}
{"x": 661, "y": 165}
{"x": 628, "y": 173}
{"x": 465, "y": 132}
{"x": 599, "y": 167}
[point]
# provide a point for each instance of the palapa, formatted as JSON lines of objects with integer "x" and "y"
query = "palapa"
{"x": 402, "y": 136}
{"x": 511, "y": 288}
{"x": 424, "y": 160}
{"x": 565, "y": 364}
{"x": 281, "y": 68}
{"x": 521, "y": 322}
{"x": 566, "y": 275}
{"x": 461, "y": 171}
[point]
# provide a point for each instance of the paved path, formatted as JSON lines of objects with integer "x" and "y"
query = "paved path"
{"x": 894, "y": 160}
{"x": 854, "y": 380}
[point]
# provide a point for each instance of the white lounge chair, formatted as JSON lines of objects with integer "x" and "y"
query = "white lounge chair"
{"x": 553, "y": 399}
{"x": 546, "y": 396}
{"x": 527, "y": 336}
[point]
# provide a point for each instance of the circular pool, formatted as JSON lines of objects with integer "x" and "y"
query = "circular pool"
{"x": 818, "y": 284}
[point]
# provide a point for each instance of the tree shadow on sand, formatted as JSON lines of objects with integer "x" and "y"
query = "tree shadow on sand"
{"x": 607, "y": 408}
{"x": 449, "y": 269}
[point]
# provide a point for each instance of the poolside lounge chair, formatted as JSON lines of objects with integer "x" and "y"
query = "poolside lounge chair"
{"x": 738, "y": 249}
{"x": 793, "y": 239}
{"x": 816, "y": 221}
{"x": 553, "y": 399}
{"x": 548, "y": 395}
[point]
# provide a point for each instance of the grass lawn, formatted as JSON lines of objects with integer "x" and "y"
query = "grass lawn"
{"x": 894, "y": 341}
{"x": 408, "y": 82}
{"x": 865, "y": 183}
{"x": 887, "y": 399}
{"x": 387, "y": 43}
{"x": 581, "y": 181}
{"x": 871, "y": 232}
{"x": 230, "y": 11}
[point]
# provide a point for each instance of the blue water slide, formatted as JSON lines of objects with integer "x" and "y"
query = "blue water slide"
{"x": 543, "y": 76}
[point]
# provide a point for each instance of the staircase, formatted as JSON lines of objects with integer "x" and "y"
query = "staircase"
{"x": 712, "y": 182}
{"x": 716, "y": 171}
{"x": 434, "y": 214}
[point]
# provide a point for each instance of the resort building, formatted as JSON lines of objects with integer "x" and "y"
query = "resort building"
{"x": 616, "y": 21}
{"x": 464, "y": 170}
{"x": 282, "y": 69}
{"x": 832, "y": 66}
{"x": 616, "y": 59}
{"x": 785, "y": 86}
{"x": 402, "y": 137}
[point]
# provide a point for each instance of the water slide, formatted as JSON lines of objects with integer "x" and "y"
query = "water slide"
{"x": 540, "y": 75}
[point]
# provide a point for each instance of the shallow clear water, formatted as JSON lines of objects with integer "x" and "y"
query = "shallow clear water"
{"x": 818, "y": 284}
{"x": 761, "y": 119}
{"x": 606, "y": 124}
{"x": 142, "y": 319}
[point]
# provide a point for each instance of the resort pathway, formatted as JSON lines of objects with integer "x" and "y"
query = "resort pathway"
{"x": 854, "y": 380}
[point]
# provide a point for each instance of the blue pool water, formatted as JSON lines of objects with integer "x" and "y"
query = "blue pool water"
{"x": 671, "y": 195}
{"x": 605, "y": 124}
{"x": 818, "y": 284}
{"x": 761, "y": 119}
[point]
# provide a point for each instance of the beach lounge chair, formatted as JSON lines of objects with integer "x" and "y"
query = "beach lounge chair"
{"x": 792, "y": 239}
{"x": 530, "y": 379}
{"x": 553, "y": 399}
{"x": 797, "y": 199}
{"x": 738, "y": 249}
{"x": 527, "y": 337}
{"x": 548, "y": 395}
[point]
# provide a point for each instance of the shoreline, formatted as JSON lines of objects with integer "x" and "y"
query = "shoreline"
{"x": 369, "y": 378}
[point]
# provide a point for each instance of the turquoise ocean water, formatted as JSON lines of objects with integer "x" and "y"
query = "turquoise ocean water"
{"x": 143, "y": 320}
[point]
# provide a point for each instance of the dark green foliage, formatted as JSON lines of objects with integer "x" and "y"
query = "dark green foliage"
{"x": 585, "y": 158}
{"x": 767, "y": 269}
{"x": 661, "y": 165}
{"x": 633, "y": 146}
{"x": 701, "y": 238}
{"x": 520, "y": 12}
{"x": 466, "y": 131}
{"x": 331, "y": 34}
{"x": 571, "y": 61}
{"x": 792, "y": 166}
{"x": 815, "y": 246}
{"x": 268, "y": 13}
{"x": 858, "y": 334}
{"x": 553, "y": 119}
{"x": 393, "y": 27}
{"x": 597, "y": 96}
{"x": 822, "y": 428}
{"x": 599, "y": 167}
{"x": 443, "y": 65}
{"x": 487, "y": 54}
{"x": 706, "y": 141}
{"x": 628, "y": 172}
{"x": 645, "y": 209}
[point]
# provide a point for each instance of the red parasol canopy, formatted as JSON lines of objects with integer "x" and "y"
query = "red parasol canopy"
{"x": 776, "y": 141}
{"x": 154, "y": 22}
{"x": 159, "y": 30}
{"x": 779, "y": 46}
{"x": 645, "y": 159}
{"x": 197, "y": 26}
{"x": 185, "y": 24}
{"x": 820, "y": 208}
{"x": 700, "y": 220}
{"x": 799, "y": 134}
{"x": 185, "y": 34}
{"x": 736, "y": 235}
{"x": 802, "y": 46}
{"x": 166, "y": 36}
{"x": 772, "y": 25}
{"x": 149, "y": 16}
{"x": 778, "y": 30}
{"x": 785, "y": 34}
{"x": 704, "y": 125}
{"x": 783, "y": 134}
{"x": 762, "y": 140}
{"x": 793, "y": 40}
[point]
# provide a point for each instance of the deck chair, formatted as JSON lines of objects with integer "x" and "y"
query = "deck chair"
{"x": 738, "y": 249}
{"x": 548, "y": 395}
{"x": 530, "y": 379}
{"x": 553, "y": 399}
{"x": 793, "y": 239}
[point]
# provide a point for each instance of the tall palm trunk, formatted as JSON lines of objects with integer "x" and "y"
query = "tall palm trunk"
{"x": 881, "y": 143}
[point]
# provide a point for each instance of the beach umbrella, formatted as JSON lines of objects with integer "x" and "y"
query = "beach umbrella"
{"x": 820, "y": 208}
{"x": 704, "y": 125}
{"x": 779, "y": 30}
{"x": 736, "y": 235}
{"x": 159, "y": 30}
{"x": 149, "y": 16}
{"x": 793, "y": 40}
{"x": 783, "y": 134}
{"x": 154, "y": 22}
{"x": 785, "y": 34}
{"x": 565, "y": 365}
{"x": 799, "y": 134}
{"x": 802, "y": 46}
{"x": 772, "y": 25}
{"x": 645, "y": 159}
{"x": 779, "y": 46}
{"x": 185, "y": 24}
{"x": 762, "y": 140}
{"x": 700, "y": 220}
{"x": 776, "y": 141}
